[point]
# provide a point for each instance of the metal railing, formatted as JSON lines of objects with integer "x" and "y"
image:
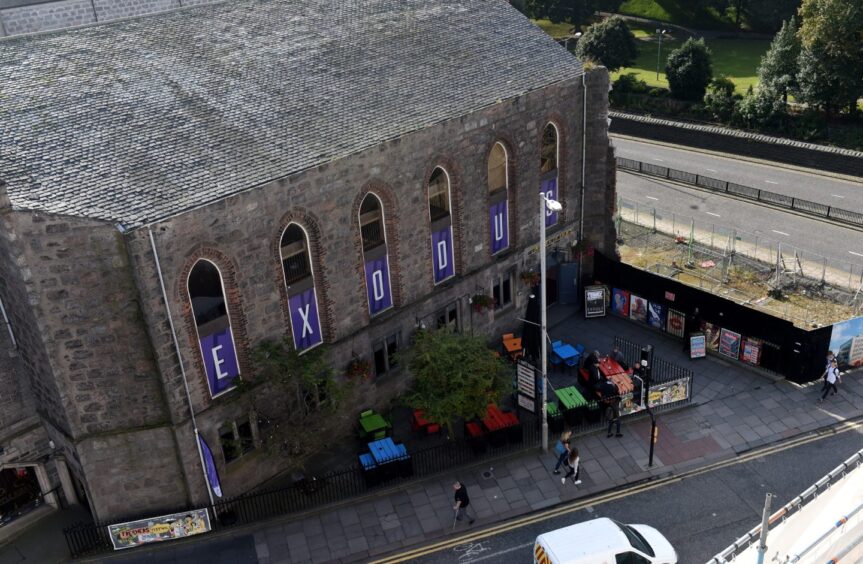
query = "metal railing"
{"x": 807, "y": 207}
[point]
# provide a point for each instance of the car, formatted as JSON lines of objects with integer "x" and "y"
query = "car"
{"x": 603, "y": 541}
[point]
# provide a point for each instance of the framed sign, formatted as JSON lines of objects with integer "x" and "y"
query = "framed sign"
{"x": 752, "y": 350}
{"x": 594, "y": 301}
{"x": 526, "y": 375}
{"x": 729, "y": 343}
{"x": 656, "y": 315}
{"x": 638, "y": 308}
{"x": 620, "y": 302}
{"x": 158, "y": 529}
{"x": 697, "y": 345}
{"x": 526, "y": 402}
{"x": 675, "y": 323}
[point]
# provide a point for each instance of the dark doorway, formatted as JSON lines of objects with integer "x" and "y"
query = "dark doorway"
{"x": 19, "y": 493}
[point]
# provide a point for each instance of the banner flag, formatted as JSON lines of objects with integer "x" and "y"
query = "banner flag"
{"x": 210, "y": 467}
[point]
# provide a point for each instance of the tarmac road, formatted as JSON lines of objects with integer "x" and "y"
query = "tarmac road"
{"x": 700, "y": 515}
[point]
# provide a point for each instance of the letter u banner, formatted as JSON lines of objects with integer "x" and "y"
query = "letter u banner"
{"x": 305, "y": 323}
{"x": 442, "y": 254}
{"x": 550, "y": 188}
{"x": 378, "y": 285}
{"x": 499, "y": 224}
{"x": 220, "y": 360}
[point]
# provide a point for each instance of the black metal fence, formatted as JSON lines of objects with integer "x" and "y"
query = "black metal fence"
{"x": 807, "y": 207}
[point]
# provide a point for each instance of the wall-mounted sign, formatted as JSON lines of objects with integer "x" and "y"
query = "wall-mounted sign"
{"x": 594, "y": 301}
{"x": 697, "y": 345}
{"x": 560, "y": 238}
{"x": 220, "y": 359}
{"x": 444, "y": 265}
{"x": 158, "y": 529}
{"x": 729, "y": 343}
{"x": 378, "y": 285}
{"x": 752, "y": 350}
{"x": 549, "y": 187}
{"x": 498, "y": 226}
{"x": 526, "y": 375}
{"x": 305, "y": 323}
{"x": 527, "y": 403}
{"x": 669, "y": 296}
{"x": 675, "y": 323}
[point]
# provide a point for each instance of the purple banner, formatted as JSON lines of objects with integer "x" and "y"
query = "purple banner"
{"x": 220, "y": 360}
{"x": 210, "y": 467}
{"x": 499, "y": 224}
{"x": 305, "y": 324}
{"x": 550, "y": 188}
{"x": 378, "y": 285}
{"x": 442, "y": 254}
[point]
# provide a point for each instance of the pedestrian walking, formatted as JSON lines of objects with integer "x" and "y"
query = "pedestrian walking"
{"x": 572, "y": 467}
{"x": 613, "y": 415}
{"x": 462, "y": 502}
{"x": 831, "y": 379}
{"x": 564, "y": 450}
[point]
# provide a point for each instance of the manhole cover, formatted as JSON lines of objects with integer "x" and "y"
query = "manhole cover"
{"x": 488, "y": 474}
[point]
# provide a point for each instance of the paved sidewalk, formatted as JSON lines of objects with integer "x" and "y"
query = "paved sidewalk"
{"x": 734, "y": 409}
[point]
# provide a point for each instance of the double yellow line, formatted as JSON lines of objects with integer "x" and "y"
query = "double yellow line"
{"x": 614, "y": 495}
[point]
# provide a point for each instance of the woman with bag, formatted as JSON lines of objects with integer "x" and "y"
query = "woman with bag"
{"x": 572, "y": 468}
{"x": 563, "y": 450}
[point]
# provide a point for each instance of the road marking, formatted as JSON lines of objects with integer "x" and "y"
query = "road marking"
{"x": 652, "y": 198}
{"x": 838, "y": 196}
{"x": 710, "y": 169}
{"x": 780, "y": 232}
{"x": 770, "y": 182}
{"x": 497, "y": 554}
{"x": 658, "y": 160}
{"x": 713, "y": 214}
{"x": 858, "y": 254}
{"x": 574, "y": 506}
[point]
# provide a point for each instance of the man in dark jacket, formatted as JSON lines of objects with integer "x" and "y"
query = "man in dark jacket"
{"x": 462, "y": 501}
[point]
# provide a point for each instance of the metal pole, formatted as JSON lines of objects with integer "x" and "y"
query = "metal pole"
{"x": 658, "y": 53}
{"x": 543, "y": 336}
{"x": 765, "y": 522}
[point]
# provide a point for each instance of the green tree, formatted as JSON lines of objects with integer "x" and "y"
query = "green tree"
{"x": 760, "y": 109}
{"x": 778, "y": 70}
{"x": 830, "y": 64}
{"x": 689, "y": 70}
{"x": 609, "y": 42}
{"x": 455, "y": 376}
{"x": 720, "y": 99}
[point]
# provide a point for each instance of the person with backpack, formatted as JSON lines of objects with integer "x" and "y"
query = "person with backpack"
{"x": 831, "y": 378}
{"x": 563, "y": 449}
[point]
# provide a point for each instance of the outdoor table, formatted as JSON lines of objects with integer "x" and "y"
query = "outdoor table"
{"x": 618, "y": 376}
{"x": 513, "y": 347}
{"x": 566, "y": 352}
{"x": 371, "y": 473}
{"x": 392, "y": 458}
{"x": 421, "y": 424}
{"x": 573, "y": 403}
{"x": 497, "y": 422}
{"x": 373, "y": 423}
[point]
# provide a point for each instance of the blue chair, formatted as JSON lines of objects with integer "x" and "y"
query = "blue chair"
{"x": 573, "y": 360}
{"x": 580, "y": 349}
{"x": 552, "y": 356}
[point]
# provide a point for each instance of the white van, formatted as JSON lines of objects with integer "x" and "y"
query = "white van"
{"x": 603, "y": 541}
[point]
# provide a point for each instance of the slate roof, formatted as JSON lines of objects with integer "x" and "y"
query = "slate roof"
{"x": 137, "y": 120}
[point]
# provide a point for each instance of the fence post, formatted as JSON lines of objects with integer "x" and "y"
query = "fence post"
{"x": 823, "y": 270}
{"x": 756, "y": 247}
{"x": 636, "y": 213}
{"x": 639, "y": 166}
{"x": 654, "y": 220}
{"x": 696, "y": 180}
{"x": 828, "y": 211}
{"x": 758, "y": 196}
{"x": 726, "y": 186}
{"x": 792, "y": 203}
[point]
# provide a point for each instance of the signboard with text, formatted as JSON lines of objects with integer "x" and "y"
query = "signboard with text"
{"x": 527, "y": 403}
{"x": 697, "y": 345}
{"x": 158, "y": 529}
{"x": 594, "y": 301}
{"x": 526, "y": 375}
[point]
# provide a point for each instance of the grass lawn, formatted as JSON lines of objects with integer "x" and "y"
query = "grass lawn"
{"x": 555, "y": 30}
{"x": 680, "y": 12}
{"x": 738, "y": 59}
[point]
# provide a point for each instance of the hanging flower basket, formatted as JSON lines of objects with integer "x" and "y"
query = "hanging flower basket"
{"x": 359, "y": 369}
{"x": 481, "y": 302}
{"x": 531, "y": 278}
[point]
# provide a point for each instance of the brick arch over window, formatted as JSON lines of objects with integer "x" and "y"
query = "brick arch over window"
{"x": 454, "y": 175}
{"x": 562, "y": 150}
{"x": 317, "y": 253}
{"x": 512, "y": 186}
{"x": 388, "y": 200}
{"x": 233, "y": 298}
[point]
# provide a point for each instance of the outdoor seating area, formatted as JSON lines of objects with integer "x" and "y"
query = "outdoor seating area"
{"x": 564, "y": 354}
{"x": 512, "y": 346}
{"x": 420, "y": 425}
{"x": 385, "y": 460}
{"x": 373, "y": 426}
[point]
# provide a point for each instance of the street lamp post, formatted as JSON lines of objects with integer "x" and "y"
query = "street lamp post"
{"x": 660, "y": 33}
{"x": 546, "y": 207}
{"x": 566, "y": 41}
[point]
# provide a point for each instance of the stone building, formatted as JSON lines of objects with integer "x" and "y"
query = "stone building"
{"x": 181, "y": 186}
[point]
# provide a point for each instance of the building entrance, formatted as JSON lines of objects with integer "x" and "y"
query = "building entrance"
{"x": 19, "y": 493}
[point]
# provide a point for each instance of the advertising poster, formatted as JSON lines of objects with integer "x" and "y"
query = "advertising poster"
{"x": 697, "y": 345}
{"x": 846, "y": 342}
{"x": 669, "y": 392}
{"x": 676, "y": 323}
{"x": 594, "y": 301}
{"x": 620, "y": 302}
{"x": 729, "y": 343}
{"x": 711, "y": 335}
{"x": 752, "y": 350}
{"x": 656, "y": 315}
{"x": 638, "y": 308}
{"x": 158, "y": 529}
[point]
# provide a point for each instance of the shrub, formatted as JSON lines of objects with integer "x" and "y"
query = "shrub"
{"x": 719, "y": 101}
{"x": 689, "y": 70}
{"x": 609, "y": 42}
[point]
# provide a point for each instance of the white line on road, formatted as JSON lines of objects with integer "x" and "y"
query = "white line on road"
{"x": 711, "y": 170}
{"x": 780, "y": 232}
{"x": 658, "y": 160}
{"x": 713, "y": 214}
{"x": 858, "y": 254}
{"x": 496, "y": 554}
{"x": 770, "y": 182}
{"x": 837, "y": 196}
{"x": 652, "y": 198}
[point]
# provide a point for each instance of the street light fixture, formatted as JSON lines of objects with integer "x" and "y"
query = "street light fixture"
{"x": 566, "y": 41}
{"x": 546, "y": 205}
{"x": 660, "y": 33}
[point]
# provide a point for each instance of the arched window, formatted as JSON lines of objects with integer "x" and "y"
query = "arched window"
{"x": 549, "y": 157}
{"x": 440, "y": 207}
{"x": 375, "y": 254}
{"x": 498, "y": 195}
{"x": 300, "y": 284}
{"x": 213, "y": 324}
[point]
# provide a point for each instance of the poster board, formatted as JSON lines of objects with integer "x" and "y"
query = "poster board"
{"x": 729, "y": 343}
{"x": 638, "y": 308}
{"x": 158, "y": 529}
{"x": 752, "y": 350}
{"x": 697, "y": 345}
{"x": 656, "y": 315}
{"x": 620, "y": 302}
{"x": 526, "y": 379}
{"x": 594, "y": 301}
{"x": 526, "y": 402}
{"x": 676, "y": 323}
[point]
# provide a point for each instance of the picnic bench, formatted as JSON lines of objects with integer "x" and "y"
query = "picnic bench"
{"x": 501, "y": 426}
{"x": 385, "y": 460}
